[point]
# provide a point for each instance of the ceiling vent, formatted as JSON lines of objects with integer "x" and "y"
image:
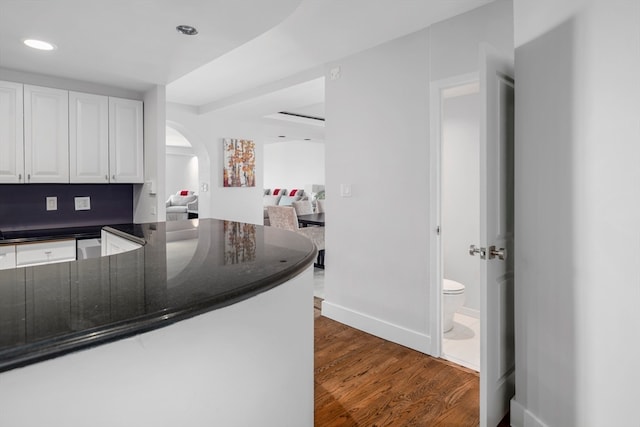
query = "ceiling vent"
{"x": 301, "y": 115}
{"x": 297, "y": 118}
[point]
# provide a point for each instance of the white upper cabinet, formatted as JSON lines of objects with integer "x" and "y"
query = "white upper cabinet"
{"x": 88, "y": 138}
{"x": 46, "y": 134}
{"x": 126, "y": 161}
{"x": 11, "y": 135}
{"x": 55, "y": 136}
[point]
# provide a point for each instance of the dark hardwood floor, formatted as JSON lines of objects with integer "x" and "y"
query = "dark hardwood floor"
{"x": 362, "y": 380}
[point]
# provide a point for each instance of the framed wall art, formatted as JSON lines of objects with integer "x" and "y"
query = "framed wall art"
{"x": 239, "y": 163}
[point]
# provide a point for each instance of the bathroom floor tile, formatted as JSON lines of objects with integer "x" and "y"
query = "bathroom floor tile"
{"x": 461, "y": 345}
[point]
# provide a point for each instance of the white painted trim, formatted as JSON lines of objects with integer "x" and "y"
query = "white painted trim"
{"x": 471, "y": 312}
{"x": 522, "y": 417}
{"x": 378, "y": 327}
{"x": 436, "y": 89}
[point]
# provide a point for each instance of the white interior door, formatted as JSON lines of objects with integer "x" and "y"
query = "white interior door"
{"x": 496, "y": 236}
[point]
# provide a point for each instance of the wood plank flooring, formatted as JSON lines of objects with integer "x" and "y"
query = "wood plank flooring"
{"x": 362, "y": 380}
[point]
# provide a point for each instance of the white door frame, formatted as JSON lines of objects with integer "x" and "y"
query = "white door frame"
{"x": 436, "y": 91}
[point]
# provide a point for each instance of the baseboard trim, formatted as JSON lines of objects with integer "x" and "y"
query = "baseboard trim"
{"x": 409, "y": 338}
{"x": 522, "y": 417}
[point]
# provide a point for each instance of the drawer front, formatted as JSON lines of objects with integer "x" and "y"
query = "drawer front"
{"x": 7, "y": 257}
{"x": 46, "y": 252}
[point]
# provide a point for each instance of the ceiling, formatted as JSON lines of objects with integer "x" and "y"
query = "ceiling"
{"x": 131, "y": 44}
{"x": 251, "y": 57}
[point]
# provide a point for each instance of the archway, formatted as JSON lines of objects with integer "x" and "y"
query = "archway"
{"x": 189, "y": 145}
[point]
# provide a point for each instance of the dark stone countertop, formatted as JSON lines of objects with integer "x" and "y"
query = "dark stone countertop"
{"x": 185, "y": 268}
{"x": 26, "y": 236}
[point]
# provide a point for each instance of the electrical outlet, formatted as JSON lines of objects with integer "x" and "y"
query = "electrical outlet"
{"x": 82, "y": 203}
{"x": 52, "y": 203}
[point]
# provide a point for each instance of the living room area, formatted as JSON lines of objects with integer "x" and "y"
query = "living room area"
{"x": 298, "y": 167}
{"x": 181, "y": 179}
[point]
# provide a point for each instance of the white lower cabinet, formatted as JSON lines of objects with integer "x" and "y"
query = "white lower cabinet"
{"x": 7, "y": 257}
{"x": 30, "y": 254}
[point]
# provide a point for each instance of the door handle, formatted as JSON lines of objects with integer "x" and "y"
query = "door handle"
{"x": 474, "y": 250}
{"x": 501, "y": 253}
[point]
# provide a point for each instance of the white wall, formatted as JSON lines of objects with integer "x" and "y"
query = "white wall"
{"x": 577, "y": 211}
{"x": 377, "y": 137}
{"x": 461, "y": 193}
{"x": 149, "y": 207}
{"x": 205, "y": 132}
{"x": 181, "y": 170}
{"x": 455, "y": 42}
{"x": 376, "y": 251}
{"x": 293, "y": 164}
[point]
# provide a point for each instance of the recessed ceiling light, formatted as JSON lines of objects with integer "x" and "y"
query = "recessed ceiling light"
{"x": 187, "y": 29}
{"x": 39, "y": 44}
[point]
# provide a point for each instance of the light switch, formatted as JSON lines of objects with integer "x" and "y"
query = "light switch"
{"x": 345, "y": 190}
{"x": 151, "y": 187}
{"x": 335, "y": 73}
{"x": 52, "y": 203}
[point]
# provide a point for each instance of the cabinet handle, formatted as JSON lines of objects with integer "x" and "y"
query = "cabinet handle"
{"x": 113, "y": 177}
{"x": 47, "y": 252}
{"x": 19, "y": 177}
{"x": 29, "y": 177}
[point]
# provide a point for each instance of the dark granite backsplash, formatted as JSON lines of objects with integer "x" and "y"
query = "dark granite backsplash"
{"x": 23, "y": 206}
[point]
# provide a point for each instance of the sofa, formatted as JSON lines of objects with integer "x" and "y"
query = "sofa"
{"x": 280, "y": 197}
{"x": 182, "y": 205}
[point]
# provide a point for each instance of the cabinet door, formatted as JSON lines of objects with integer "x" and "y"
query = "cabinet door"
{"x": 48, "y": 301}
{"x": 126, "y": 275}
{"x": 30, "y": 254}
{"x": 7, "y": 257}
{"x": 88, "y": 138}
{"x": 11, "y": 135}
{"x": 46, "y": 134}
{"x": 126, "y": 162}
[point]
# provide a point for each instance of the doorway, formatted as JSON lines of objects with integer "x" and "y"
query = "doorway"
{"x": 460, "y": 223}
{"x": 494, "y": 245}
{"x": 182, "y": 163}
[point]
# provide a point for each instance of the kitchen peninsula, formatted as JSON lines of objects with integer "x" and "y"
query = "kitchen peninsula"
{"x": 208, "y": 323}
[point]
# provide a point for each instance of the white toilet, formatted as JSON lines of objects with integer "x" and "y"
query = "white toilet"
{"x": 452, "y": 301}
